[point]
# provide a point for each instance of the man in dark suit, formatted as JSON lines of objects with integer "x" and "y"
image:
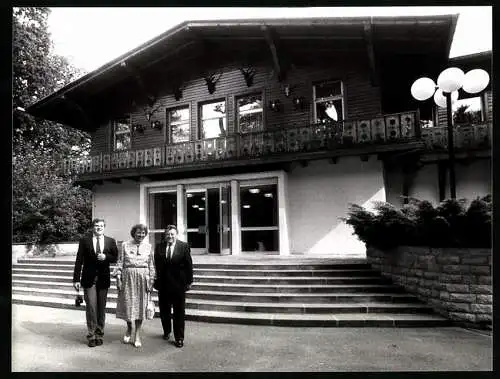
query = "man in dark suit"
{"x": 95, "y": 252}
{"x": 174, "y": 275}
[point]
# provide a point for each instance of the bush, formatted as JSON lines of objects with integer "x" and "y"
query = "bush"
{"x": 451, "y": 224}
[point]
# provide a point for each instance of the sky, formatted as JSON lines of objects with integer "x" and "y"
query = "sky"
{"x": 91, "y": 37}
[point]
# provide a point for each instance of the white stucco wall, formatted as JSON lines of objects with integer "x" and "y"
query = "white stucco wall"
{"x": 320, "y": 193}
{"x": 474, "y": 179}
{"x": 425, "y": 184}
{"x": 118, "y": 204}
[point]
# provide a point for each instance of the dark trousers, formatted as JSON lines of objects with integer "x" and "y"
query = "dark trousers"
{"x": 177, "y": 301}
{"x": 95, "y": 311}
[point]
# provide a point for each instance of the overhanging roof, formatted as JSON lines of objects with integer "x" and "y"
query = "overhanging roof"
{"x": 192, "y": 40}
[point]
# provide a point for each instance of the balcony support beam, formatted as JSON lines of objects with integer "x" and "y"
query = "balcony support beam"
{"x": 368, "y": 36}
{"x": 277, "y": 55}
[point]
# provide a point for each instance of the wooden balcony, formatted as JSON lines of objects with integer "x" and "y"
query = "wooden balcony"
{"x": 314, "y": 141}
{"x": 465, "y": 138}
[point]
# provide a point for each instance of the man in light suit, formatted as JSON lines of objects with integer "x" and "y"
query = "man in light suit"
{"x": 174, "y": 275}
{"x": 95, "y": 252}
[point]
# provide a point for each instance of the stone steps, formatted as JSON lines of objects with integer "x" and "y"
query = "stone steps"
{"x": 277, "y": 319}
{"x": 245, "y": 306}
{"x": 294, "y": 292}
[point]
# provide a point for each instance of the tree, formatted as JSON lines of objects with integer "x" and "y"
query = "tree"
{"x": 47, "y": 207}
{"x": 37, "y": 72}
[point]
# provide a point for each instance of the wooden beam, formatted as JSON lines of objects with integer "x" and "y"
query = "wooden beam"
{"x": 87, "y": 119}
{"x": 149, "y": 97}
{"x": 277, "y": 63}
{"x": 368, "y": 33}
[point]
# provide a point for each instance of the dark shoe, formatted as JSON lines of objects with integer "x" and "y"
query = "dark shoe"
{"x": 92, "y": 343}
{"x": 179, "y": 343}
{"x": 166, "y": 337}
{"x": 99, "y": 342}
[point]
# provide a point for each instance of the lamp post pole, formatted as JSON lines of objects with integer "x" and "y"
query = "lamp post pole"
{"x": 451, "y": 148}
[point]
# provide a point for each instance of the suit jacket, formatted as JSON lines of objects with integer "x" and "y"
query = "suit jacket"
{"x": 174, "y": 276}
{"x": 92, "y": 267}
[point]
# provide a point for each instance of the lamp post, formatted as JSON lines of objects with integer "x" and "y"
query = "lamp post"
{"x": 445, "y": 93}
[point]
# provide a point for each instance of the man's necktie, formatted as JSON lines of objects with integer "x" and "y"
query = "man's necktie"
{"x": 169, "y": 252}
{"x": 97, "y": 247}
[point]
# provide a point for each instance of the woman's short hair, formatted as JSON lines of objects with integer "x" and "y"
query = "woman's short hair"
{"x": 137, "y": 227}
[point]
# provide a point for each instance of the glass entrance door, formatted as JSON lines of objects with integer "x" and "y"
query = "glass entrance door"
{"x": 196, "y": 213}
{"x": 208, "y": 219}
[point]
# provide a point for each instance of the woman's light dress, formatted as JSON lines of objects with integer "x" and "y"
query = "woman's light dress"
{"x": 136, "y": 267}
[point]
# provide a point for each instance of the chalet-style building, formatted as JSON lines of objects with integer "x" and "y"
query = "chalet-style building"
{"x": 254, "y": 136}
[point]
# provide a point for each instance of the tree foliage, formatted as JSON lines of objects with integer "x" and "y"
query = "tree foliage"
{"x": 46, "y": 206}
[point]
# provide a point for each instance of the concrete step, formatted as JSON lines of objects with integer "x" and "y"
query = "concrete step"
{"x": 250, "y": 276}
{"x": 34, "y": 287}
{"x": 277, "y": 289}
{"x": 304, "y": 297}
{"x": 292, "y": 264}
{"x": 263, "y": 318}
{"x": 60, "y": 276}
{"x": 296, "y": 288}
{"x": 266, "y": 307}
{"x": 289, "y": 280}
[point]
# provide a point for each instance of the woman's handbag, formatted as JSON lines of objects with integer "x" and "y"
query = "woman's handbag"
{"x": 150, "y": 309}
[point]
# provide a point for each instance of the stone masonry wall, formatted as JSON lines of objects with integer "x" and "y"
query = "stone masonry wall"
{"x": 456, "y": 283}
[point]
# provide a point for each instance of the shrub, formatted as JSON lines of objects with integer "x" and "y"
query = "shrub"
{"x": 451, "y": 224}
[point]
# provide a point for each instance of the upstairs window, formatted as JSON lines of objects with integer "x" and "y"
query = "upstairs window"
{"x": 213, "y": 119}
{"x": 122, "y": 134}
{"x": 178, "y": 124}
{"x": 249, "y": 113}
{"x": 328, "y": 101}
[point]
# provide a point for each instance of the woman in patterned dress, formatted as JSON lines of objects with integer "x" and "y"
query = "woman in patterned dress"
{"x": 135, "y": 275}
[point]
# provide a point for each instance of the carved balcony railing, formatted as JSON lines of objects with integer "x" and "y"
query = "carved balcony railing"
{"x": 393, "y": 128}
{"x": 465, "y": 137}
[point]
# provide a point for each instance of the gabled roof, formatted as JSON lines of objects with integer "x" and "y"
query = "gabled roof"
{"x": 199, "y": 41}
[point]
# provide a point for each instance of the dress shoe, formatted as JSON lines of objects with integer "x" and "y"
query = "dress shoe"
{"x": 99, "y": 342}
{"x": 126, "y": 339}
{"x": 166, "y": 337}
{"x": 92, "y": 343}
{"x": 179, "y": 343}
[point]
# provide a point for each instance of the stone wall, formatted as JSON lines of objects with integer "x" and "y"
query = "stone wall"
{"x": 21, "y": 250}
{"x": 457, "y": 283}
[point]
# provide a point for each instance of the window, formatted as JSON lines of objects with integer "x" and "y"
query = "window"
{"x": 213, "y": 120}
{"x": 178, "y": 122}
{"x": 249, "y": 113}
{"x": 328, "y": 101}
{"x": 121, "y": 133}
{"x": 468, "y": 111}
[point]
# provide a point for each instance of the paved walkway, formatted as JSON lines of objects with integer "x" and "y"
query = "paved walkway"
{"x": 46, "y": 339}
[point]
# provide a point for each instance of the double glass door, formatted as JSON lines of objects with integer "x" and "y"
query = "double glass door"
{"x": 208, "y": 218}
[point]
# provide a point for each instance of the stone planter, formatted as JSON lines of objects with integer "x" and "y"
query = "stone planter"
{"x": 456, "y": 282}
